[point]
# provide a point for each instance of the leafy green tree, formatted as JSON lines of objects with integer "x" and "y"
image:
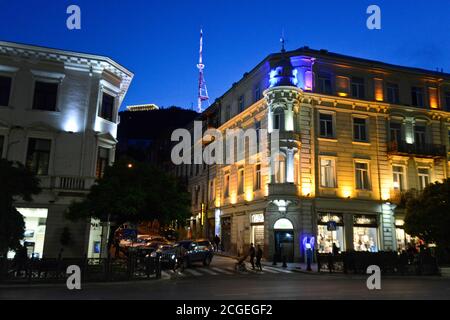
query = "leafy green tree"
{"x": 16, "y": 181}
{"x": 134, "y": 194}
{"x": 428, "y": 214}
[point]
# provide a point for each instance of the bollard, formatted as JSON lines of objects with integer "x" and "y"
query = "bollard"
{"x": 274, "y": 259}
{"x": 284, "y": 262}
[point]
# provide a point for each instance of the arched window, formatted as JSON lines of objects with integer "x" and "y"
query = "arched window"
{"x": 283, "y": 224}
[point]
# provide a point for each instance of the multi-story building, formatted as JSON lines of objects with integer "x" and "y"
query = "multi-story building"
{"x": 354, "y": 135}
{"x": 59, "y": 116}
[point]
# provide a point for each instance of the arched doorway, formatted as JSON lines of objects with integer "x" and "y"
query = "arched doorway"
{"x": 284, "y": 239}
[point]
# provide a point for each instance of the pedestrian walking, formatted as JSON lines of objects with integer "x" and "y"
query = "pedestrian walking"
{"x": 259, "y": 254}
{"x": 252, "y": 254}
{"x": 217, "y": 242}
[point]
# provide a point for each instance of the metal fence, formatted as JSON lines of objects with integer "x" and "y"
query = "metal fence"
{"x": 92, "y": 270}
{"x": 389, "y": 263}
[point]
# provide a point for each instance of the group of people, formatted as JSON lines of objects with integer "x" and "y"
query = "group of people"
{"x": 253, "y": 253}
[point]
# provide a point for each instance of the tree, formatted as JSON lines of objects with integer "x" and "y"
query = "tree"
{"x": 428, "y": 214}
{"x": 16, "y": 181}
{"x": 134, "y": 194}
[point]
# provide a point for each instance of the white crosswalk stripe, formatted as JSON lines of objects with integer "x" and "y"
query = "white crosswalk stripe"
{"x": 270, "y": 270}
{"x": 209, "y": 271}
{"x": 276, "y": 269}
{"x": 165, "y": 275}
{"x": 222, "y": 271}
{"x": 192, "y": 272}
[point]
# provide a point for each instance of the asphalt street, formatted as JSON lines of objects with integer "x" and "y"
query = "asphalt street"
{"x": 221, "y": 282}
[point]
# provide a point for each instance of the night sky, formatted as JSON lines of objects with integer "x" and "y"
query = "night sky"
{"x": 158, "y": 39}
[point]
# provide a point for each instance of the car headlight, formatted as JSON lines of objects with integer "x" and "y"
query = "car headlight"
{"x": 153, "y": 254}
{"x": 173, "y": 257}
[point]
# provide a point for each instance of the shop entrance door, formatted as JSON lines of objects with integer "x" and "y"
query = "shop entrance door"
{"x": 284, "y": 245}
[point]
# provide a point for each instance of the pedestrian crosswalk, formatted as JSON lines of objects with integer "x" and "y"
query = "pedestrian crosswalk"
{"x": 217, "y": 271}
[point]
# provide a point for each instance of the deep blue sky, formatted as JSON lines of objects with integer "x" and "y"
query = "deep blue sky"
{"x": 158, "y": 39}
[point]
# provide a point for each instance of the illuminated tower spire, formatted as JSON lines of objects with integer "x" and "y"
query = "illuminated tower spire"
{"x": 202, "y": 90}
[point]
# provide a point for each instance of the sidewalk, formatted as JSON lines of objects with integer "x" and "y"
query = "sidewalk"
{"x": 291, "y": 266}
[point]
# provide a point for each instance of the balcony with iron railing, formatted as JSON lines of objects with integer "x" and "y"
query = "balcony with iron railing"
{"x": 420, "y": 150}
{"x": 67, "y": 183}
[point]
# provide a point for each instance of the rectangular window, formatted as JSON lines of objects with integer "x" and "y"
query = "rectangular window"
{"x": 327, "y": 173}
{"x": 2, "y": 142}
{"x": 447, "y": 100}
{"x": 360, "y": 129}
{"x": 358, "y": 88}
{"x": 102, "y": 162}
{"x": 45, "y": 96}
{"x": 420, "y": 135}
{"x": 258, "y": 177}
{"x": 324, "y": 83}
{"x": 227, "y": 113}
{"x": 257, "y": 94}
{"x": 342, "y": 86}
{"x": 241, "y": 103}
{"x": 417, "y": 96}
{"x": 212, "y": 190}
{"x": 258, "y": 135}
{"x": 424, "y": 177}
{"x": 395, "y": 132}
{"x": 38, "y": 156}
{"x": 226, "y": 186}
{"x": 5, "y": 90}
{"x": 241, "y": 181}
{"x": 399, "y": 178}
{"x": 277, "y": 121}
{"x": 378, "y": 89}
{"x": 326, "y": 125}
{"x": 393, "y": 93}
{"x": 107, "y": 109}
{"x": 362, "y": 176}
{"x": 433, "y": 96}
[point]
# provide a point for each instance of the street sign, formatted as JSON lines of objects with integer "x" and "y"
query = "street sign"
{"x": 331, "y": 226}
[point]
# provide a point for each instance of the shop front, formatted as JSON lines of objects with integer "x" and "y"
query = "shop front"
{"x": 365, "y": 233}
{"x": 330, "y": 230}
{"x": 257, "y": 229}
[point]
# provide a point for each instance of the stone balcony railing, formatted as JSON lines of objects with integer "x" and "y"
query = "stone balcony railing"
{"x": 67, "y": 183}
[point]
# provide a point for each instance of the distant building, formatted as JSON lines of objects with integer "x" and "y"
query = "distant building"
{"x": 145, "y": 135}
{"x": 355, "y": 134}
{"x": 143, "y": 107}
{"x": 58, "y": 116}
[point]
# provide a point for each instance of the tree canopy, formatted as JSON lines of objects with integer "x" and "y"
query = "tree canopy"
{"x": 428, "y": 214}
{"x": 134, "y": 194}
{"x": 15, "y": 182}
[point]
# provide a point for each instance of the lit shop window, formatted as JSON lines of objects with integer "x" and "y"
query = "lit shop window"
{"x": 330, "y": 230}
{"x": 365, "y": 233}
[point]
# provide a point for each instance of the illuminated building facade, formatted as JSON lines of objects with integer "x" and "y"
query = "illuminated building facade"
{"x": 354, "y": 135}
{"x": 59, "y": 116}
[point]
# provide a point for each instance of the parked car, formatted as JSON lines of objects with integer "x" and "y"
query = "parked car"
{"x": 196, "y": 251}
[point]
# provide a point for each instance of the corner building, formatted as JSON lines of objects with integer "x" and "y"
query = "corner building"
{"x": 355, "y": 135}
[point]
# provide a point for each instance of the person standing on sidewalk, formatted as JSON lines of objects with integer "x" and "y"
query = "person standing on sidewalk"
{"x": 252, "y": 254}
{"x": 217, "y": 242}
{"x": 259, "y": 254}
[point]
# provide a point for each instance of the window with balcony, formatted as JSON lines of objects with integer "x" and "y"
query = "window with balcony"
{"x": 395, "y": 133}
{"x": 358, "y": 88}
{"x": 241, "y": 103}
{"x": 362, "y": 176}
{"x": 360, "y": 130}
{"x": 324, "y": 84}
{"x": 45, "y": 96}
{"x": 38, "y": 156}
{"x": 327, "y": 173}
{"x": 420, "y": 135}
{"x": 258, "y": 181}
{"x": 326, "y": 125}
{"x": 107, "y": 108}
{"x": 393, "y": 93}
{"x": 417, "y": 96}
{"x": 240, "y": 181}
{"x": 398, "y": 178}
{"x": 102, "y": 162}
{"x": 424, "y": 177}
{"x": 5, "y": 90}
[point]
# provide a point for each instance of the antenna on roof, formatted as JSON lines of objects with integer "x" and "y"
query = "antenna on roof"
{"x": 283, "y": 41}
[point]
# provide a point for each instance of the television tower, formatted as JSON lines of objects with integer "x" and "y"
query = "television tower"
{"x": 202, "y": 90}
